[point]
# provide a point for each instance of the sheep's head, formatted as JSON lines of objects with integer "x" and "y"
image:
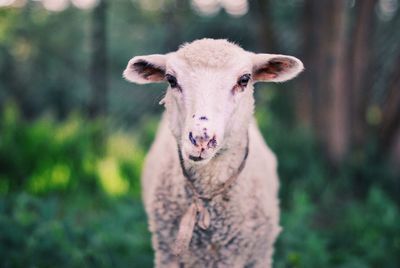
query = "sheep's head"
{"x": 209, "y": 100}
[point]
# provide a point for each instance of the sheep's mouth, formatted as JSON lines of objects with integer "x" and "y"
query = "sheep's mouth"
{"x": 196, "y": 158}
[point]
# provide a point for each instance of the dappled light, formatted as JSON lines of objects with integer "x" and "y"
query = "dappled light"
{"x": 55, "y": 6}
{"x": 4, "y": 3}
{"x": 85, "y": 4}
{"x": 235, "y": 7}
{"x": 52, "y": 5}
{"x": 203, "y": 7}
{"x": 387, "y": 9}
{"x": 206, "y": 7}
{"x": 211, "y": 7}
{"x": 111, "y": 179}
{"x": 152, "y": 5}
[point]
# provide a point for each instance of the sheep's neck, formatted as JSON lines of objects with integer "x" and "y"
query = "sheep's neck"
{"x": 207, "y": 178}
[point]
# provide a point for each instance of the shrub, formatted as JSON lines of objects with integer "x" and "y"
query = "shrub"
{"x": 45, "y": 156}
{"x": 78, "y": 230}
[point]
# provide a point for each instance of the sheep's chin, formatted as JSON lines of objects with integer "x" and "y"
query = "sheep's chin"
{"x": 196, "y": 160}
{"x": 202, "y": 162}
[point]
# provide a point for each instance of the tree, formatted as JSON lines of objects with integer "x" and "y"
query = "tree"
{"x": 262, "y": 13}
{"x": 99, "y": 62}
{"x": 324, "y": 99}
{"x": 360, "y": 67}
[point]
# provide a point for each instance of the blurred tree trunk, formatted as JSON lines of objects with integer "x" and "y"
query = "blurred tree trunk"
{"x": 304, "y": 102}
{"x": 394, "y": 155}
{"x": 323, "y": 101}
{"x": 391, "y": 110}
{"x": 173, "y": 19}
{"x": 99, "y": 62}
{"x": 337, "y": 82}
{"x": 264, "y": 23}
{"x": 11, "y": 78}
{"x": 338, "y": 132}
{"x": 361, "y": 66}
{"x": 14, "y": 76}
{"x": 311, "y": 100}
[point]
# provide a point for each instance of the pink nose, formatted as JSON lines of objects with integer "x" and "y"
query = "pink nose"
{"x": 204, "y": 141}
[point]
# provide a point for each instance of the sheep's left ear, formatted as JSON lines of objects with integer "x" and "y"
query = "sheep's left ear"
{"x": 146, "y": 69}
{"x": 275, "y": 68}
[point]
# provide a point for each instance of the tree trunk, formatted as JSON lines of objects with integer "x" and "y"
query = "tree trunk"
{"x": 304, "y": 95}
{"x": 394, "y": 154}
{"x": 323, "y": 101}
{"x": 321, "y": 71}
{"x": 99, "y": 62}
{"x": 391, "y": 110}
{"x": 338, "y": 126}
{"x": 173, "y": 17}
{"x": 264, "y": 23}
{"x": 361, "y": 52}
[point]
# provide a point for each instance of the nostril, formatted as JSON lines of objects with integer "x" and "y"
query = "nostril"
{"x": 204, "y": 118}
{"x": 212, "y": 143}
{"x": 192, "y": 140}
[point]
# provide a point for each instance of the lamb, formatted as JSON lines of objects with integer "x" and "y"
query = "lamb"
{"x": 210, "y": 184}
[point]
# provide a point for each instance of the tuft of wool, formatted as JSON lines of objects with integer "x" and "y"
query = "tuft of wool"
{"x": 209, "y": 52}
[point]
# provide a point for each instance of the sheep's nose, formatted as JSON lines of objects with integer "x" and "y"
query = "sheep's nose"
{"x": 204, "y": 141}
{"x": 200, "y": 117}
{"x": 203, "y": 118}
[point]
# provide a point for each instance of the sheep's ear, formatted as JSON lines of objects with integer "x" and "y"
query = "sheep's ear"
{"x": 275, "y": 68}
{"x": 146, "y": 69}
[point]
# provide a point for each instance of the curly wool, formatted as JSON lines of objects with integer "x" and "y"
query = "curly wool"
{"x": 209, "y": 52}
{"x": 244, "y": 221}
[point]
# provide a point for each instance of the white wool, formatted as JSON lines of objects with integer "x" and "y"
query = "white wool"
{"x": 245, "y": 219}
{"x": 209, "y": 52}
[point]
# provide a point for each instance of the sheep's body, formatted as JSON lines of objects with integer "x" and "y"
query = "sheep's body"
{"x": 244, "y": 220}
{"x": 209, "y": 116}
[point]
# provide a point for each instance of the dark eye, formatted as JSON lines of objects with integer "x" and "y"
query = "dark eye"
{"x": 171, "y": 80}
{"x": 244, "y": 80}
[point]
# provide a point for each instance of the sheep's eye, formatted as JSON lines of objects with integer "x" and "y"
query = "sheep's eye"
{"x": 244, "y": 80}
{"x": 171, "y": 80}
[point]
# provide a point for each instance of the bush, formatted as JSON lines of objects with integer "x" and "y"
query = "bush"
{"x": 46, "y": 156}
{"x": 355, "y": 234}
{"x": 368, "y": 233}
{"x": 73, "y": 231}
{"x": 301, "y": 243}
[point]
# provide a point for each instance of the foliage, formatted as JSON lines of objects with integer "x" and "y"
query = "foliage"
{"x": 78, "y": 230}
{"x": 82, "y": 230}
{"x": 357, "y": 233}
{"x": 45, "y": 155}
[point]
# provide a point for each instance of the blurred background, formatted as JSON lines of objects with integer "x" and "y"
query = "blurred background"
{"x": 73, "y": 133}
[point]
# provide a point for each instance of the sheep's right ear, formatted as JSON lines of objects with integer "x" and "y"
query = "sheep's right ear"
{"x": 146, "y": 69}
{"x": 275, "y": 68}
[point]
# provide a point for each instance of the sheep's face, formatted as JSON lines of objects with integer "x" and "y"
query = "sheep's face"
{"x": 209, "y": 100}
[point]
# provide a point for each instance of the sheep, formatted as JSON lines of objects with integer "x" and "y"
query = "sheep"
{"x": 210, "y": 184}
